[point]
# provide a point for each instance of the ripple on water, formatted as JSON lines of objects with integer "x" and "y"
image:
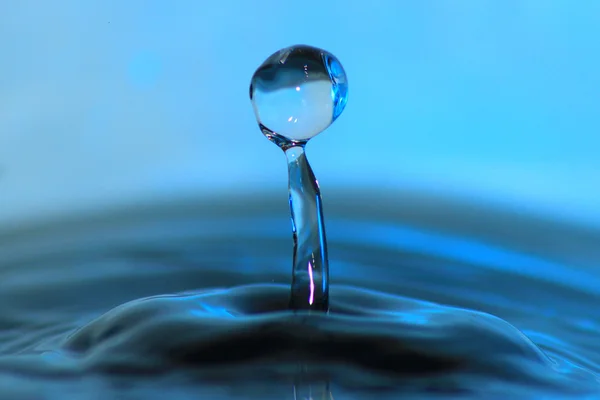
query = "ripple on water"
{"x": 80, "y": 312}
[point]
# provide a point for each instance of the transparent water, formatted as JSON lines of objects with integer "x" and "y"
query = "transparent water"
{"x": 310, "y": 264}
{"x": 430, "y": 298}
{"x": 298, "y": 92}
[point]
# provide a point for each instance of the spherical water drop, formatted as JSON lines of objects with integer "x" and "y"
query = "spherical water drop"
{"x": 297, "y": 93}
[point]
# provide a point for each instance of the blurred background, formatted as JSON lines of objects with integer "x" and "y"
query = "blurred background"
{"x": 116, "y": 102}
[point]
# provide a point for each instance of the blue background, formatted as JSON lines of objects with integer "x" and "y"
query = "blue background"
{"x": 111, "y": 102}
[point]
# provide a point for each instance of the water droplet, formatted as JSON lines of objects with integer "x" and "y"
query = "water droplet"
{"x": 297, "y": 93}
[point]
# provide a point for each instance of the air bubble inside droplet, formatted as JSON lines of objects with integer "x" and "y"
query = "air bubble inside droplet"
{"x": 298, "y": 92}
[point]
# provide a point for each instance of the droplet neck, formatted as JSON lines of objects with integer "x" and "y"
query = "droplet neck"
{"x": 281, "y": 141}
{"x": 310, "y": 269}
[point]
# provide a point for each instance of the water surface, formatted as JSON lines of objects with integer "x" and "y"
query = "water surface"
{"x": 430, "y": 298}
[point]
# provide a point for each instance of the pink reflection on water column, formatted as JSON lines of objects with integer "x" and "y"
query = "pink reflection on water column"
{"x": 311, "y": 297}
